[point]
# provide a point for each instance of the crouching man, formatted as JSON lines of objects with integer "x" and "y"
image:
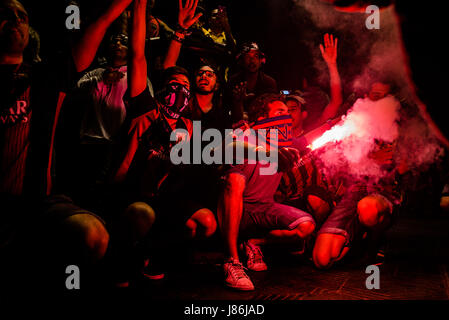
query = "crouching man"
{"x": 247, "y": 213}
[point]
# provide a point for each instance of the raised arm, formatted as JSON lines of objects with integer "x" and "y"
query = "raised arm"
{"x": 85, "y": 50}
{"x": 137, "y": 70}
{"x": 186, "y": 18}
{"x": 329, "y": 54}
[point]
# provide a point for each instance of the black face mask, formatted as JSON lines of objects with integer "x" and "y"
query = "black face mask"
{"x": 176, "y": 98}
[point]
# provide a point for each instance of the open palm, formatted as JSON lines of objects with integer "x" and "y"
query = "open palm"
{"x": 329, "y": 51}
{"x": 186, "y": 16}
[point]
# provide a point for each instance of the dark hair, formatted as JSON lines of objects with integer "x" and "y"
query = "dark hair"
{"x": 259, "y": 106}
{"x": 386, "y": 78}
{"x": 386, "y": 81}
{"x": 172, "y": 71}
{"x": 203, "y": 62}
{"x": 207, "y": 62}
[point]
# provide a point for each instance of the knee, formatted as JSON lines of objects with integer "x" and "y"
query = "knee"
{"x": 205, "y": 220}
{"x": 321, "y": 258}
{"x": 92, "y": 234}
{"x": 444, "y": 203}
{"x": 305, "y": 229}
{"x": 328, "y": 249}
{"x": 97, "y": 240}
{"x": 140, "y": 217}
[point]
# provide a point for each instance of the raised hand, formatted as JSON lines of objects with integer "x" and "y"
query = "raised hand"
{"x": 383, "y": 155}
{"x": 329, "y": 51}
{"x": 85, "y": 49}
{"x": 186, "y": 16}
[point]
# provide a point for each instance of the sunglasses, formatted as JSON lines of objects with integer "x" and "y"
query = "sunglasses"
{"x": 121, "y": 37}
{"x": 208, "y": 73}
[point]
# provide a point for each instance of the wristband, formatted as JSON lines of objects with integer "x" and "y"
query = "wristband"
{"x": 180, "y": 29}
{"x": 179, "y": 37}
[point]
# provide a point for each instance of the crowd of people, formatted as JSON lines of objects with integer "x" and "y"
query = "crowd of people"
{"x": 86, "y": 175}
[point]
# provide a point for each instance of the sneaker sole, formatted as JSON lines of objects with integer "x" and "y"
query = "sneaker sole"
{"x": 263, "y": 268}
{"x": 240, "y": 288}
{"x": 154, "y": 276}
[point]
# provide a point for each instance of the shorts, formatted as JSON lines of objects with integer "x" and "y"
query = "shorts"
{"x": 59, "y": 207}
{"x": 21, "y": 218}
{"x": 260, "y": 218}
{"x": 343, "y": 220}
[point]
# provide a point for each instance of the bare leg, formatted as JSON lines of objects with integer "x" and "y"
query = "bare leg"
{"x": 230, "y": 213}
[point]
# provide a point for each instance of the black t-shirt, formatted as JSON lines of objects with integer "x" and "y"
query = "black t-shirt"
{"x": 264, "y": 84}
{"x": 216, "y": 118}
{"x": 31, "y": 100}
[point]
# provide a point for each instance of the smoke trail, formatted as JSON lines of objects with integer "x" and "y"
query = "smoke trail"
{"x": 366, "y": 56}
{"x": 368, "y": 121}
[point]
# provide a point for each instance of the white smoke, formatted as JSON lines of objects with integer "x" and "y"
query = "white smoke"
{"x": 418, "y": 145}
{"x": 367, "y": 121}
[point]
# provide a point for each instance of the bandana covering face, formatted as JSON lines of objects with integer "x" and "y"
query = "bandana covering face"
{"x": 283, "y": 125}
{"x": 176, "y": 98}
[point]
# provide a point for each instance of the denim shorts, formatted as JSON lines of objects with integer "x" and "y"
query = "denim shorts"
{"x": 343, "y": 220}
{"x": 263, "y": 217}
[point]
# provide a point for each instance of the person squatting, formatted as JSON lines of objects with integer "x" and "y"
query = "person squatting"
{"x": 87, "y": 175}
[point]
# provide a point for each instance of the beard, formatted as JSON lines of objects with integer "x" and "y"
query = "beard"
{"x": 203, "y": 91}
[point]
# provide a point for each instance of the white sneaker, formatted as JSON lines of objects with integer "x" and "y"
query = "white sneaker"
{"x": 254, "y": 257}
{"x": 235, "y": 276}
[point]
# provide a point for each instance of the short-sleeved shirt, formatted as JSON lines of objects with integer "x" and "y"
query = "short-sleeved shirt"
{"x": 106, "y": 109}
{"x": 145, "y": 157}
{"x": 259, "y": 188}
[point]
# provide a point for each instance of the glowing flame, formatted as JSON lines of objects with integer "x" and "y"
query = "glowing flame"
{"x": 366, "y": 121}
{"x": 337, "y": 133}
